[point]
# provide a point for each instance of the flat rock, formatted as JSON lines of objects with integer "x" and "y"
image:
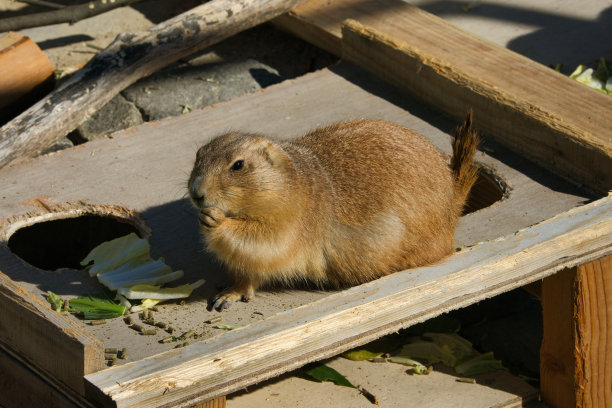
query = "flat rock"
{"x": 117, "y": 114}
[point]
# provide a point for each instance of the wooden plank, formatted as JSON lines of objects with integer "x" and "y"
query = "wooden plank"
{"x": 521, "y": 103}
{"x": 21, "y": 386}
{"x": 53, "y": 343}
{"x": 576, "y": 356}
{"x": 357, "y": 315}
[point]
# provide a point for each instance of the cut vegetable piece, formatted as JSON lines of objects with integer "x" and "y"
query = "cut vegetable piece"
{"x": 135, "y": 250}
{"x": 144, "y": 291}
{"x": 145, "y": 304}
{"x": 152, "y": 279}
{"x": 127, "y": 267}
{"x": 417, "y": 367}
{"x": 55, "y": 301}
{"x": 110, "y": 249}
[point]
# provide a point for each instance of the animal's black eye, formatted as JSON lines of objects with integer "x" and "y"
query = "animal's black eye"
{"x": 238, "y": 165}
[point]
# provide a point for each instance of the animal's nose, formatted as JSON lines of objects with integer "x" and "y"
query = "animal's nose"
{"x": 197, "y": 193}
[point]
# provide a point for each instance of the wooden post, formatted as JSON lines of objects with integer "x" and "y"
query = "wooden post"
{"x": 215, "y": 403}
{"x": 576, "y": 354}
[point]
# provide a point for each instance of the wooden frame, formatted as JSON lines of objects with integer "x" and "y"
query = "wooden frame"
{"x": 324, "y": 327}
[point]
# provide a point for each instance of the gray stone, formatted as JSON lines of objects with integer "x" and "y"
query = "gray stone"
{"x": 117, "y": 114}
{"x": 180, "y": 89}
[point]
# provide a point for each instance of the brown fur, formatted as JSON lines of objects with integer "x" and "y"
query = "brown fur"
{"x": 343, "y": 205}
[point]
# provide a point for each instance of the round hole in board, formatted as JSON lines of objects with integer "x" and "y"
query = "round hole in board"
{"x": 487, "y": 190}
{"x": 64, "y": 242}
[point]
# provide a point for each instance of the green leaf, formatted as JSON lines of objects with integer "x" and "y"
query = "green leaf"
{"x": 324, "y": 373}
{"x": 96, "y": 307}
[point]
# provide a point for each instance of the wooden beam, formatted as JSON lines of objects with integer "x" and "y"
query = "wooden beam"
{"x": 355, "y": 316}
{"x": 544, "y": 115}
{"x": 576, "y": 355}
{"x": 53, "y": 343}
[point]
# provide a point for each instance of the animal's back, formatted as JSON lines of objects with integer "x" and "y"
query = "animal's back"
{"x": 391, "y": 197}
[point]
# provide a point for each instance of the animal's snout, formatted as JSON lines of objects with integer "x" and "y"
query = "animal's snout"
{"x": 196, "y": 192}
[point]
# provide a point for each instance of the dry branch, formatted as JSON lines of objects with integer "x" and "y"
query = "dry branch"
{"x": 128, "y": 58}
{"x": 69, "y": 14}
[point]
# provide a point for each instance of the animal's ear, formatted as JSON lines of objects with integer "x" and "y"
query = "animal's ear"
{"x": 274, "y": 154}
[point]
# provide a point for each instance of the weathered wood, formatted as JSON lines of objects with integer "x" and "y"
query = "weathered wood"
{"x": 352, "y": 317}
{"x": 523, "y": 104}
{"x": 24, "y": 69}
{"x": 21, "y": 386}
{"x": 53, "y": 342}
{"x": 576, "y": 355}
{"x": 125, "y": 60}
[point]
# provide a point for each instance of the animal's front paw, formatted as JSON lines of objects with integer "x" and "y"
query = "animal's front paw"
{"x": 224, "y": 299}
{"x": 211, "y": 217}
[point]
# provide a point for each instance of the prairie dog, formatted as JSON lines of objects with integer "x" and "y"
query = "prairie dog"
{"x": 342, "y": 205}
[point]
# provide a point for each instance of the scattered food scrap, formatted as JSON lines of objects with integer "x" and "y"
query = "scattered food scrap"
{"x": 124, "y": 264}
{"x": 599, "y": 78}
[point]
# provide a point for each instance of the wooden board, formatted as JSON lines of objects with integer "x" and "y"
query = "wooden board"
{"x": 144, "y": 170}
{"x": 54, "y": 343}
{"x": 554, "y": 120}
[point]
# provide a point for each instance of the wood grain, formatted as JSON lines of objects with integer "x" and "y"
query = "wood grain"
{"x": 22, "y": 386}
{"x": 216, "y": 403}
{"x": 576, "y": 356}
{"x": 355, "y": 316}
{"x": 521, "y": 103}
{"x": 53, "y": 343}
